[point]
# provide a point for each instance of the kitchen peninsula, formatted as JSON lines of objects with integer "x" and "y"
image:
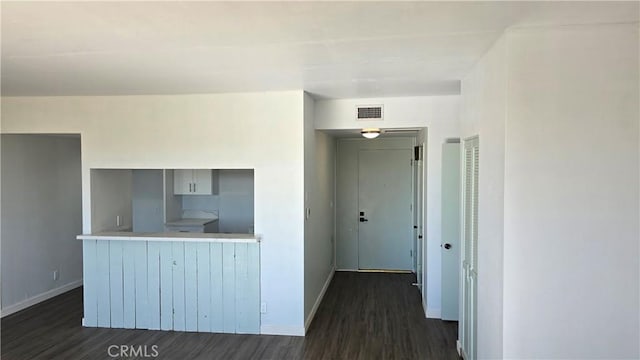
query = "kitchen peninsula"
{"x": 165, "y": 280}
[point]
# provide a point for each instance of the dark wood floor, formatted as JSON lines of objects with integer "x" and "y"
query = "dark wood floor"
{"x": 363, "y": 316}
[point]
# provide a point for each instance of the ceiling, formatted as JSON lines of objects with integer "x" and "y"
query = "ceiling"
{"x": 330, "y": 49}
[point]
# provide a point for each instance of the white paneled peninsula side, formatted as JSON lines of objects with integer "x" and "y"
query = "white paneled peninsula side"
{"x": 172, "y": 281}
{"x": 162, "y": 259}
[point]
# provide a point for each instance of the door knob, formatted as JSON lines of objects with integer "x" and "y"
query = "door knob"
{"x": 447, "y": 246}
{"x": 363, "y": 219}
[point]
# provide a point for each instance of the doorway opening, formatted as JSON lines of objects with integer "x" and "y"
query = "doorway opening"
{"x": 379, "y": 199}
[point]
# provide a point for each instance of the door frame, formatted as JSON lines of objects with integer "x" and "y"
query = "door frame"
{"x": 346, "y": 206}
{"x": 418, "y": 213}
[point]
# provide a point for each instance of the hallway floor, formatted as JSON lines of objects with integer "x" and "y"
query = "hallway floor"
{"x": 363, "y": 316}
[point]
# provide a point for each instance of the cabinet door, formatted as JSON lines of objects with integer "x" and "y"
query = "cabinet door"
{"x": 183, "y": 181}
{"x": 202, "y": 182}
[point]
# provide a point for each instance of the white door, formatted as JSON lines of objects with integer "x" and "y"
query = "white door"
{"x": 469, "y": 276}
{"x": 384, "y": 200}
{"x": 450, "y": 239}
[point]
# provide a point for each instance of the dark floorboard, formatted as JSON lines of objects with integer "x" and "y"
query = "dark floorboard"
{"x": 363, "y": 316}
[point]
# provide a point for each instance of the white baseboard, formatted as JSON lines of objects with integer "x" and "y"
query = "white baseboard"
{"x": 433, "y": 313}
{"x": 461, "y": 352}
{"x": 424, "y": 304}
{"x": 281, "y": 330}
{"x": 312, "y": 314}
{"x": 39, "y": 298}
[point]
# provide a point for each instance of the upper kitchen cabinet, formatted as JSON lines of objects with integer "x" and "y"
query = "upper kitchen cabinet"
{"x": 195, "y": 182}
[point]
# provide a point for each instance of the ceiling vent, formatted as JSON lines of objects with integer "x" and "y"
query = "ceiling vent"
{"x": 369, "y": 112}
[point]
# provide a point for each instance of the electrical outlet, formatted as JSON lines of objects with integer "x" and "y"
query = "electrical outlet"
{"x": 118, "y": 220}
{"x": 263, "y": 308}
{"x": 56, "y": 275}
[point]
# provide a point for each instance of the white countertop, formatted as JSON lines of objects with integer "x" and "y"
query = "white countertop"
{"x": 168, "y": 236}
{"x": 189, "y": 222}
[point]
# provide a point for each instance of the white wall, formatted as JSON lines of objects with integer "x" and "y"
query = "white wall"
{"x": 111, "y": 196}
{"x": 399, "y": 112}
{"x": 319, "y": 170}
{"x": 172, "y": 203}
{"x": 41, "y": 215}
{"x": 236, "y": 200}
{"x": 147, "y": 200}
{"x": 571, "y": 249}
{"x": 199, "y": 131}
{"x": 208, "y": 203}
{"x": 557, "y": 111}
{"x": 440, "y": 115}
{"x": 483, "y": 113}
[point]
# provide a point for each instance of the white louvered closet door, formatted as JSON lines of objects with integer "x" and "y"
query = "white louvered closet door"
{"x": 469, "y": 272}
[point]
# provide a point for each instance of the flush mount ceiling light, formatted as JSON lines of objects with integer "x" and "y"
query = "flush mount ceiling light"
{"x": 371, "y": 133}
